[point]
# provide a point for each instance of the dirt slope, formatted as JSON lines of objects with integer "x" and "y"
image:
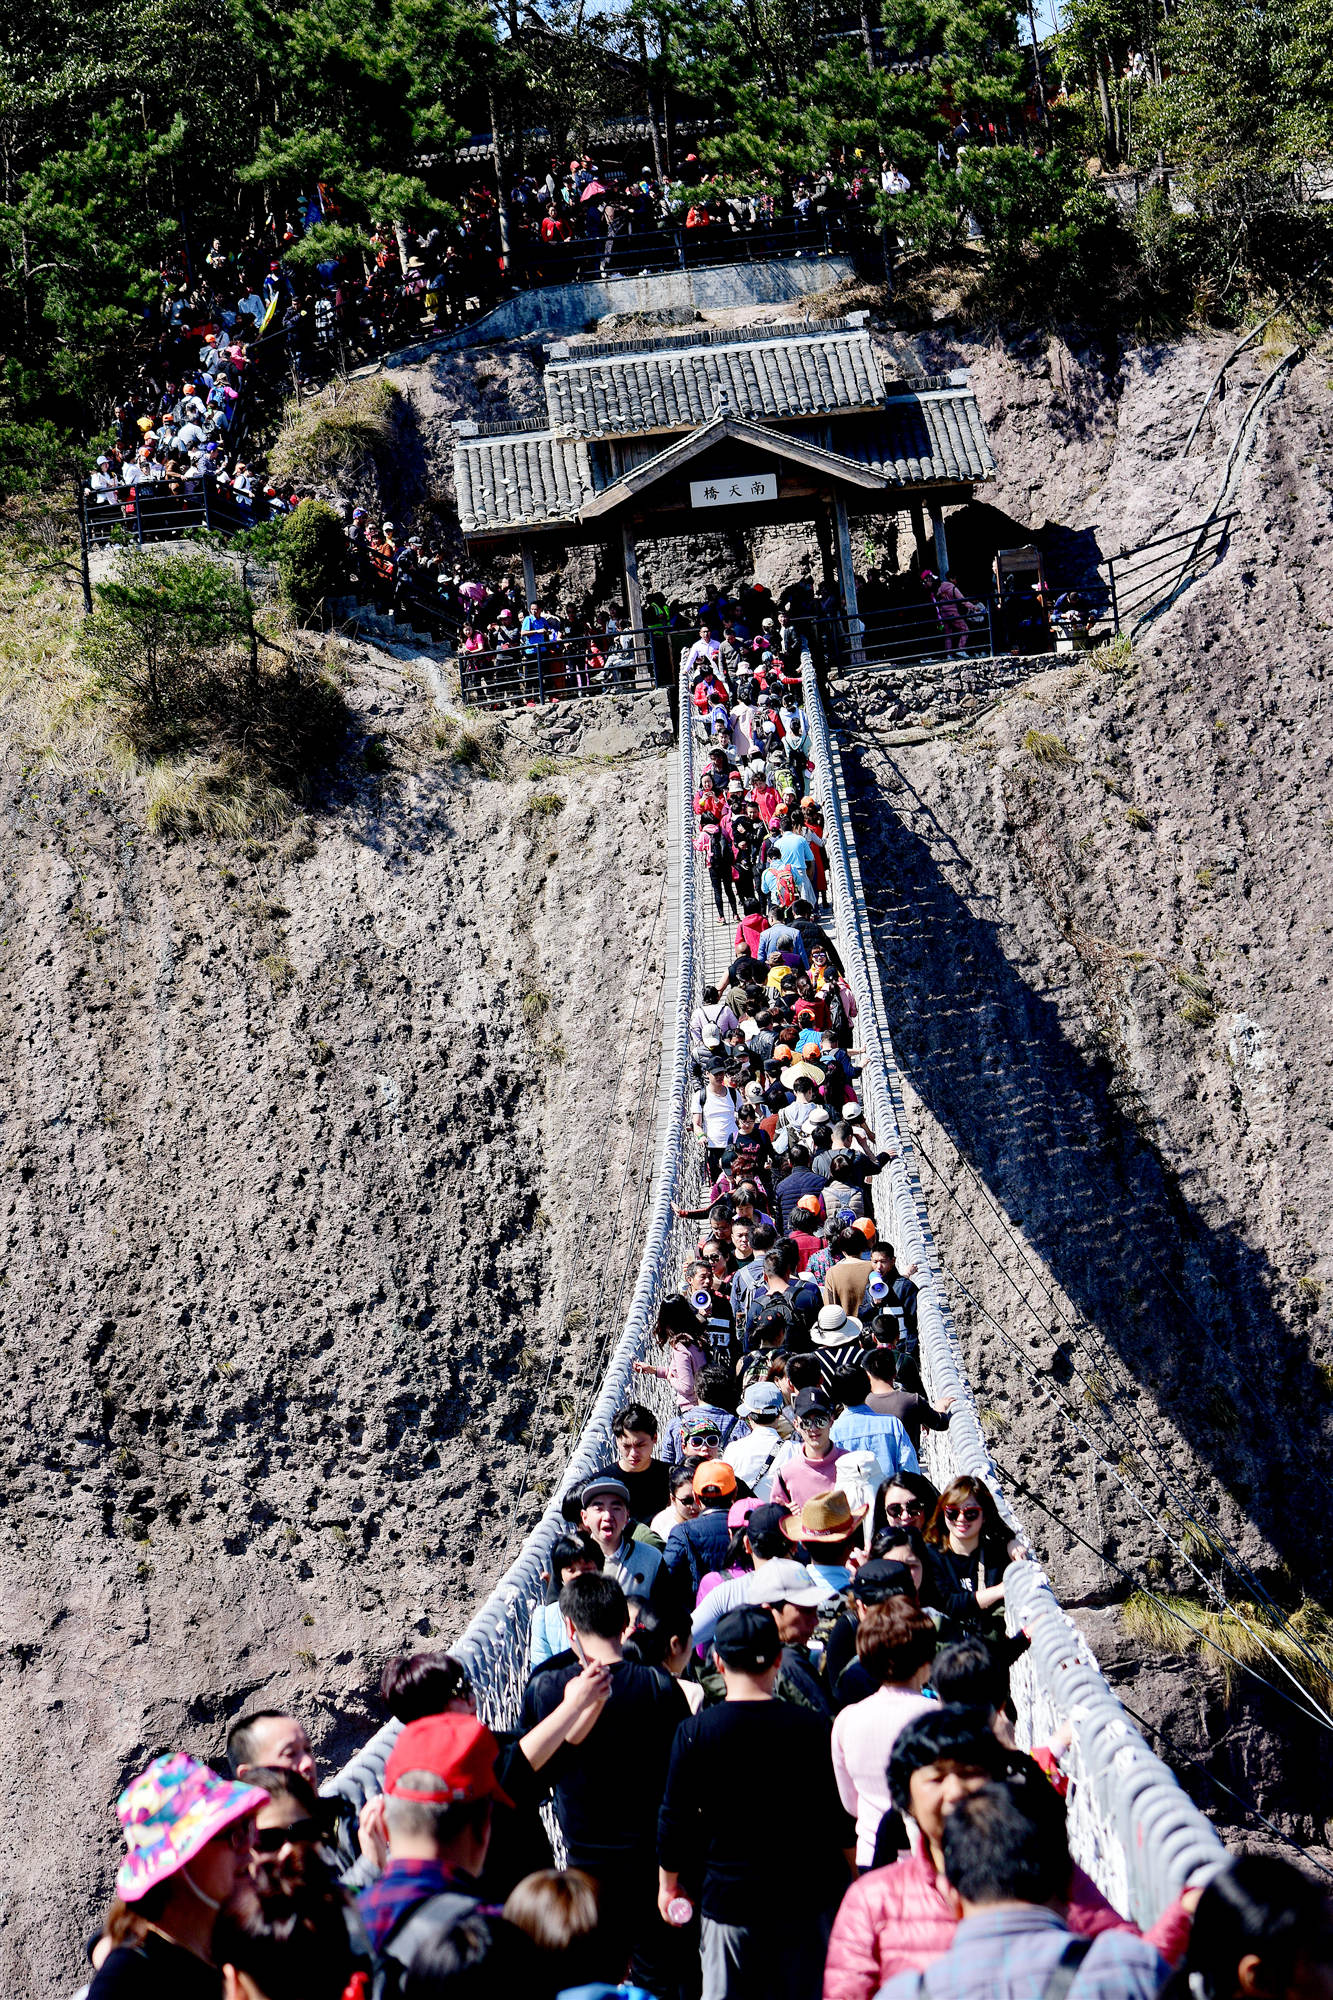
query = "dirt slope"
{"x": 1107, "y": 958}
{"x": 300, "y": 1199}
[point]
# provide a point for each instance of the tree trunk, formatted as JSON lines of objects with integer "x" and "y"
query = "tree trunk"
{"x": 1104, "y": 98}
{"x": 501, "y": 198}
{"x": 868, "y": 36}
{"x": 648, "y": 102}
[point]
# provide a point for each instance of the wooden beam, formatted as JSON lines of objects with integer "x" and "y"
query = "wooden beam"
{"x": 529, "y": 571}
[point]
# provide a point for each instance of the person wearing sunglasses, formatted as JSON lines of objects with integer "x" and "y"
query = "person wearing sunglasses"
{"x": 293, "y": 1815}
{"x": 908, "y": 1500}
{"x": 969, "y": 1549}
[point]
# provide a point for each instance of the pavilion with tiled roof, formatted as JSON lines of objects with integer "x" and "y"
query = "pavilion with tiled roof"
{"x": 719, "y": 429}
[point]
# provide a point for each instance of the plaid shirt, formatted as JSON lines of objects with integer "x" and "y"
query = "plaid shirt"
{"x": 399, "y": 1889}
{"x": 1011, "y": 1953}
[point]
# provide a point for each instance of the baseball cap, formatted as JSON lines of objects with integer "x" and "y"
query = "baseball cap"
{"x": 746, "y": 1640}
{"x": 698, "y": 1427}
{"x": 740, "y": 1511}
{"x": 762, "y": 1399}
{"x": 812, "y": 1402}
{"x": 456, "y": 1755}
{"x": 605, "y": 1486}
{"x": 866, "y": 1227}
{"x": 786, "y": 1582}
{"x": 714, "y": 1476}
{"x": 876, "y": 1582}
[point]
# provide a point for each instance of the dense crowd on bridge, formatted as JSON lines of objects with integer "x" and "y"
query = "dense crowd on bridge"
{"x": 765, "y": 1749}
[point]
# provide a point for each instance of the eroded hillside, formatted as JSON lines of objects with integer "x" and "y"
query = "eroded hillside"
{"x": 319, "y": 1163}
{"x": 1104, "y": 916}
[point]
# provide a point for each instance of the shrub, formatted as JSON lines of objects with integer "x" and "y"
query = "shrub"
{"x": 312, "y": 556}
{"x": 182, "y": 664}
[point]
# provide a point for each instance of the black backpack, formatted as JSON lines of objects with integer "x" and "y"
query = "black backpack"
{"x": 421, "y": 1923}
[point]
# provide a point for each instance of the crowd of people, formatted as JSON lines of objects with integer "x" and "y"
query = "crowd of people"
{"x": 765, "y": 1750}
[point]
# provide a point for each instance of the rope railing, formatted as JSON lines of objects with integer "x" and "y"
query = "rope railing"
{"x": 494, "y": 1645}
{"x": 1131, "y": 1826}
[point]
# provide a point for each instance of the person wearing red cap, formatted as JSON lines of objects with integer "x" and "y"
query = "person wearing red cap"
{"x": 439, "y": 1787}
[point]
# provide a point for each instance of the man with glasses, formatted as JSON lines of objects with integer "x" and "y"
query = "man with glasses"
{"x": 814, "y": 1468}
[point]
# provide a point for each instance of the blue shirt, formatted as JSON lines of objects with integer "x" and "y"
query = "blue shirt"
{"x": 1010, "y": 1954}
{"x": 859, "y": 1428}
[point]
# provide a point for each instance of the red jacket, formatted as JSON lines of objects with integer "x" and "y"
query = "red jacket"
{"x": 896, "y": 1920}
{"x": 749, "y": 931}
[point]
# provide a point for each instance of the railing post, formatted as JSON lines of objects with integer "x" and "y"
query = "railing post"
{"x": 541, "y": 675}
{"x": 208, "y": 518}
{"x": 1115, "y": 602}
{"x": 138, "y": 512}
{"x": 990, "y": 620}
{"x": 81, "y": 501}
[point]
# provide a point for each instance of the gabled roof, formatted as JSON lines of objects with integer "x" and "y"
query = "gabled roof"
{"x": 532, "y": 478}
{"x": 778, "y": 444}
{"x": 802, "y": 375}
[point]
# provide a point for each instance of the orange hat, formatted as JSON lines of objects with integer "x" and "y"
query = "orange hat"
{"x": 714, "y": 1476}
{"x": 866, "y": 1227}
{"x": 782, "y": 1053}
{"x": 811, "y": 1203}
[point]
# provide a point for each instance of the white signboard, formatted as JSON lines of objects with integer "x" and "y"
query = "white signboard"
{"x": 732, "y": 492}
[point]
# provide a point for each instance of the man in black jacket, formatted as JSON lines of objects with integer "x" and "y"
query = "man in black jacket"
{"x": 608, "y": 1779}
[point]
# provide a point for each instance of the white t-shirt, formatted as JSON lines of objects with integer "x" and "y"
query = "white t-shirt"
{"x": 717, "y": 1114}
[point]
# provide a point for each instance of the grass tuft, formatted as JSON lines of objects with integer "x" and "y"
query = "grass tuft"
{"x": 1309, "y": 1630}
{"x": 334, "y": 438}
{"x": 1196, "y": 1013}
{"x": 222, "y": 799}
{"x": 1046, "y": 749}
{"x": 543, "y": 805}
{"x": 1136, "y": 817}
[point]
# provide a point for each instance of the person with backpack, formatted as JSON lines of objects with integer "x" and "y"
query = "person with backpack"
{"x": 439, "y": 1788}
{"x": 815, "y": 1467}
{"x": 695, "y": 1547}
{"x": 714, "y": 848}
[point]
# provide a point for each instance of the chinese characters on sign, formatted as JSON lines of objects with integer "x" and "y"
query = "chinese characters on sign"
{"x": 724, "y": 492}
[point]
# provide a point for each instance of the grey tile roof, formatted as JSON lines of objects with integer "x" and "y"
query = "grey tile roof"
{"x": 522, "y": 480}
{"x": 676, "y": 389}
{"x": 530, "y": 478}
{"x": 917, "y": 439}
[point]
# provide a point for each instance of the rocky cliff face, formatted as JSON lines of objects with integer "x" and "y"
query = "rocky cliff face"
{"x": 1104, "y": 912}
{"x": 319, "y": 1163}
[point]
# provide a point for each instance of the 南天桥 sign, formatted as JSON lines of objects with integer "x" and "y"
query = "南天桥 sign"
{"x": 732, "y": 492}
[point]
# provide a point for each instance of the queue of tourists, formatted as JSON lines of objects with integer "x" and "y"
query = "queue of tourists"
{"x": 765, "y": 1749}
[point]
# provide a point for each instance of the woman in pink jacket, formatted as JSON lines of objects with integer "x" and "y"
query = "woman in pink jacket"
{"x": 899, "y": 1919}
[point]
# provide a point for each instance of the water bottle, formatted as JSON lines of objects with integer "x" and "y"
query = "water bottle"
{"x": 679, "y": 1911}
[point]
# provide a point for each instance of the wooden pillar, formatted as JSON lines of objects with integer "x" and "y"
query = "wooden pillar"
{"x": 941, "y": 545}
{"x": 629, "y": 557}
{"x": 918, "y": 532}
{"x": 529, "y": 572}
{"x": 847, "y": 577}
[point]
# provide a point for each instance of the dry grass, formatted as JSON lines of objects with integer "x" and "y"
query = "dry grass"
{"x": 476, "y": 745}
{"x": 1043, "y": 748}
{"x": 543, "y": 805}
{"x": 333, "y": 438}
{"x": 221, "y": 799}
{"x": 1308, "y": 1631}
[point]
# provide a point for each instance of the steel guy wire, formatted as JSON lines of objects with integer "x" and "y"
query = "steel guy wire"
{"x": 1148, "y": 1515}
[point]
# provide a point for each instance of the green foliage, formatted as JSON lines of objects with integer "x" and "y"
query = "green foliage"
{"x": 312, "y": 555}
{"x": 185, "y": 666}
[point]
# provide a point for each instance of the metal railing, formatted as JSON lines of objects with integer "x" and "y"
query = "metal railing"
{"x": 986, "y": 625}
{"x": 1142, "y": 579}
{"x": 1131, "y": 1826}
{"x": 157, "y": 512}
{"x": 569, "y": 667}
{"x": 642, "y": 251}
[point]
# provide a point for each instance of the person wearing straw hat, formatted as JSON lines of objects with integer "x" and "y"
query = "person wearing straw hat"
{"x": 188, "y": 1837}
{"x": 826, "y": 1528}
